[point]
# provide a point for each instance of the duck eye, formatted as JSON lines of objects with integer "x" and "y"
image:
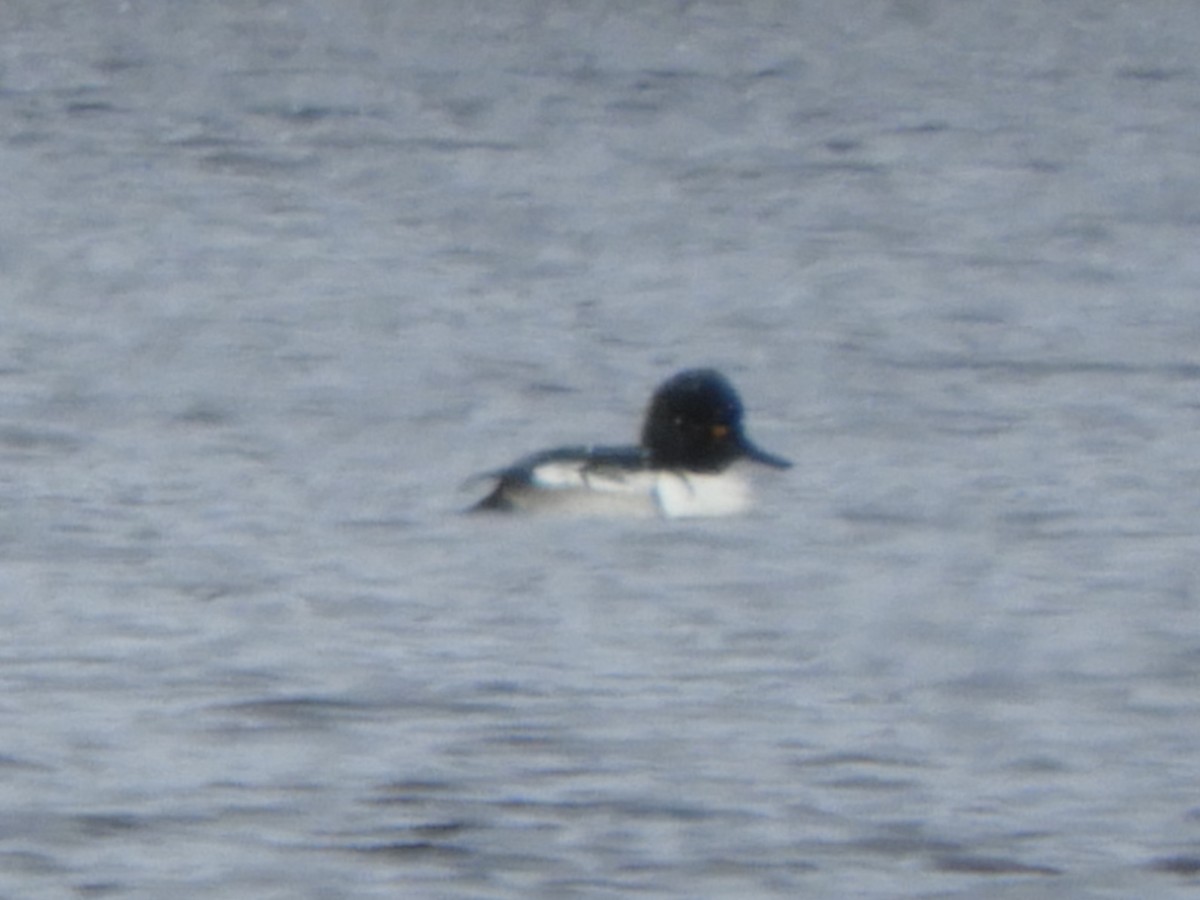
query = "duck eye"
{"x": 719, "y": 431}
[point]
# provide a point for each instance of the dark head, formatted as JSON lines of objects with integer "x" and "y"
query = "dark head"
{"x": 695, "y": 422}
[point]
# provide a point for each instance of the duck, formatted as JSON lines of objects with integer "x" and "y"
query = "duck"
{"x": 692, "y": 460}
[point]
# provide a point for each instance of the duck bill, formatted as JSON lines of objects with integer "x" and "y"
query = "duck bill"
{"x": 759, "y": 455}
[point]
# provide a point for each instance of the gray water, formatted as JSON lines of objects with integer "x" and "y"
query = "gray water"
{"x": 278, "y": 277}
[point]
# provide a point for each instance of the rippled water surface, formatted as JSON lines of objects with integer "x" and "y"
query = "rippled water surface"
{"x": 277, "y": 277}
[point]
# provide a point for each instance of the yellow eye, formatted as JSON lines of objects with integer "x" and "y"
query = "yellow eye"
{"x": 719, "y": 431}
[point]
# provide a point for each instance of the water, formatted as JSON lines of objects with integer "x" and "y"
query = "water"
{"x": 279, "y": 276}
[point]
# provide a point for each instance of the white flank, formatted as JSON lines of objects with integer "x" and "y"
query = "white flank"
{"x": 685, "y": 495}
{"x": 572, "y": 487}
